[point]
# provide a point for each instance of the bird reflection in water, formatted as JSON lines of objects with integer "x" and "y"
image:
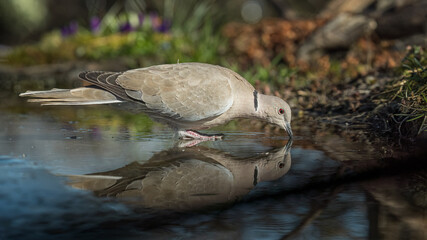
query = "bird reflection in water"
{"x": 183, "y": 179}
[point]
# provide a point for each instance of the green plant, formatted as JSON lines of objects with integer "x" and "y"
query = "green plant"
{"x": 275, "y": 74}
{"x": 142, "y": 38}
{"x": 411, "y": 89}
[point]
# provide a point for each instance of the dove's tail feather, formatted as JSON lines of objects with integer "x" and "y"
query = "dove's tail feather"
{"x": 77, "y": 96}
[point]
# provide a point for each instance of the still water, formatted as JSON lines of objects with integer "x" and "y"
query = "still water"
{"x": 98, "y": 173}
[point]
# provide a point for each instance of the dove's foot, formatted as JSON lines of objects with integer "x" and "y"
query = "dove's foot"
{"x": 191, "y": 134}
{"x": 189, "y": 143}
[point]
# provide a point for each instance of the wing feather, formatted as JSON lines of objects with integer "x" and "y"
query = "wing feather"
{"x": 106, "y": 81}
{"x": 186, "y": 91}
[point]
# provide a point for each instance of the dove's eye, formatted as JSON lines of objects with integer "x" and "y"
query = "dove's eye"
{"x": 281, "y": 111}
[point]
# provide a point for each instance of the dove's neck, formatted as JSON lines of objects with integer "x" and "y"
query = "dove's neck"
{"x": 258, "y": 106}
{"x": 253, "y": 105}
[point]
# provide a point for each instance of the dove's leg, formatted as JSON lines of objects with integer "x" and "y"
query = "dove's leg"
{"x": 191, "y": 134}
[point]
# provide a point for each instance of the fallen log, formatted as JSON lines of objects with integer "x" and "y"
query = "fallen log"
{"x": 340, "y": 32}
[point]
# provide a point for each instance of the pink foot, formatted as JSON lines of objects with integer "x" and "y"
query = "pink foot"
{"x": 191, "y": 134}
{"x": 190, "y": 143}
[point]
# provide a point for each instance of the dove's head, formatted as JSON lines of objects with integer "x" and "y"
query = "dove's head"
{"x": 277, "y": 112}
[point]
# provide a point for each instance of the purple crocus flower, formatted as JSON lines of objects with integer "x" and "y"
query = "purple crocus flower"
{"x": 164, "y": 27}
{"x": 70, "y": 29}
{"x": 74, "y": 26}
{"x": 125, "y": 28}
{"x": 95, "y": 24}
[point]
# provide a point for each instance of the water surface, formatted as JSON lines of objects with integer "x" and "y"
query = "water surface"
{"x": 95, "y": 172}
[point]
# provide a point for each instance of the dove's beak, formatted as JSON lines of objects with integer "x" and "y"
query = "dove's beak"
{"x": 289, "y": 130}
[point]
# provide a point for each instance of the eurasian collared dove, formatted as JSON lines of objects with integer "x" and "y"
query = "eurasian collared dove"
{"x": 187, "y": 180}
{"x": 185, "y": 96}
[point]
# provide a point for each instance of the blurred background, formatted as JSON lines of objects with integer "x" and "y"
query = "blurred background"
{"x": 248, "y": 32}
{"x": 32, "y": 18}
